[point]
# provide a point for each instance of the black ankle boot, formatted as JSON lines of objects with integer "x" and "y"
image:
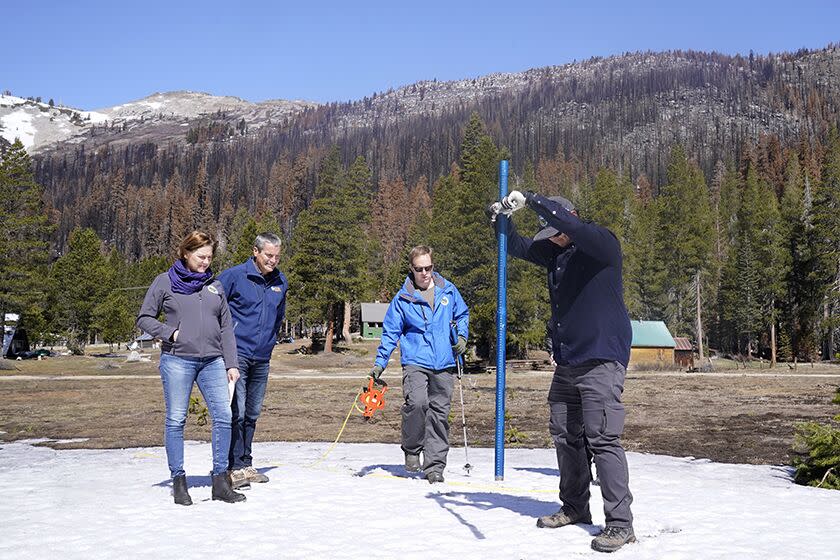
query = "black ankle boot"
{"x": 222, "y": 490}
{"x": 179, "y": 490}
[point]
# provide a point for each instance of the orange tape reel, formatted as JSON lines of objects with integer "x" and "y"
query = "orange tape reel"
{"x": 373, "y": 398}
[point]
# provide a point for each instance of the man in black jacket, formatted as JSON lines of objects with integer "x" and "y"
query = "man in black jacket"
{"x": 591, "y": 338}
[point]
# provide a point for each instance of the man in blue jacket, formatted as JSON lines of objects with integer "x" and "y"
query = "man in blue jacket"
{"x": 591, "y": 338}
{"x": 256, "y": 294}
{"x": 421, "y": 318}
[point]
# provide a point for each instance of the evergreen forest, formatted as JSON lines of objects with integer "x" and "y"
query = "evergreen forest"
{"x": 730, "y": 230}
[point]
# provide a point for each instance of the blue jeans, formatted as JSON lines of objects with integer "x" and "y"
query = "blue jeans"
{"x": 246, "y": 407}
{"x": 178, "y": 375}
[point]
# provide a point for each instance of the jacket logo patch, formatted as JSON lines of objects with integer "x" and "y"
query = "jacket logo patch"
{"x": 444, "y": 300}
{"x": 212, "y": 290}
{"x": 275, "y": 288}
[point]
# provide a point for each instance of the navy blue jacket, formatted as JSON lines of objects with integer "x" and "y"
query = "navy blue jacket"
{"x": 589, "y": 320}
{"x": 257, "y": 307}
{"x": 425, "y": 335}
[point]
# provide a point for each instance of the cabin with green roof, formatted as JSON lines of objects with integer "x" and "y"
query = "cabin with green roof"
{"x": 652, "y": 346}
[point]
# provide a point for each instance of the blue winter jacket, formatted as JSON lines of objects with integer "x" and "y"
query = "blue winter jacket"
{"x": 425, "y": 336}
{"x": 257, "y": 307}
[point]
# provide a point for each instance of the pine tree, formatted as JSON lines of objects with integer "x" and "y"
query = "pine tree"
{"x": 528, "y": 310}
{"x": 328, "y": 266}
{"x": 391, "y": 210}
{"x": 464, "y": 245}
{"x": 725, "y": 194}
{"x": 747, "y": 298}
{"x": 770, "y": 253}
{"x": 644, "y": 266}
{"x": 685, "y": 227}
{"x": 358, "y": 190}
{"x": 114, "y": 317}
{"x": 801, "y": 301}
{"x": 607, "y": 203}
{"x": 23, "y": 236}
{"x": 78, "y": 283}
{"x": 827, "y": 235}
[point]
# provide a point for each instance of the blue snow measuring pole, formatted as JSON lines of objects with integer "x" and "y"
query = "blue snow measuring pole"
{"x": 501, "y": 329}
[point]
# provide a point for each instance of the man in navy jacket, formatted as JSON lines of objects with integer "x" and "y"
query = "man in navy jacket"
{"x": 256, "y": 294}
{"x": 591, "y": 338}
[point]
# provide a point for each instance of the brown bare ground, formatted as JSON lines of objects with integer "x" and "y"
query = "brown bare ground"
{"x": 739, "y": 416}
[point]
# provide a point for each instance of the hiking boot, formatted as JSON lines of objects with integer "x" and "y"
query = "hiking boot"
{"x": 562, "y": 518}
{"x": 613, "y": 538}
{"x": 223, "y": 491}
{"x": 434, "y": 477}
{"x": 254, "y": 475}
{"x": 239, "y": 479}
{"x": 179, "y": 491}
{"x": 412, "y": 462}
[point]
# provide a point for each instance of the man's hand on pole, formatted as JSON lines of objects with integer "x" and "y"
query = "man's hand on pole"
{"x": 492, "y": 211}
{"x": 514, "y": 201}
{"x": 460, "y": 347}
{"x": 507, "y": 205}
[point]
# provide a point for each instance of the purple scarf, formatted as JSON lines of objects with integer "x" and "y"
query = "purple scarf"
{"x": 184, "y": 281}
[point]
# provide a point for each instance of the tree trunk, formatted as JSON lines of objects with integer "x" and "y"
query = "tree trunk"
{"x": 345, "y": 328}
{"x": 826, "y": 345}
{"x": 772, "y": 335}
{"x": 2, "y": 331}
{"x": 699, "y": 321}
{"x": 328, "y": 335}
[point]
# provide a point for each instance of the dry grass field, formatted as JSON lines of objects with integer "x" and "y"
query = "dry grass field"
{"x": 730, "y": 415}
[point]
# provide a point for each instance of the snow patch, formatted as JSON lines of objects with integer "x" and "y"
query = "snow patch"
{"x": 358, "y": 502}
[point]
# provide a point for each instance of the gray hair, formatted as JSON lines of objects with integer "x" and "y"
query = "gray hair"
{"x": 266, "y": 238}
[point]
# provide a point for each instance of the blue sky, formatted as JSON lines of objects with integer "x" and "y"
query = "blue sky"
{"x": 92, "y": 54}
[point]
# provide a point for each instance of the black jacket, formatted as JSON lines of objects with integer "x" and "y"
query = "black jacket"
{"x": 589, "y": 320}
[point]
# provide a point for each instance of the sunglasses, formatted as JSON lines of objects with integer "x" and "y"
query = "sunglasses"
{"x": 420, "y": 269}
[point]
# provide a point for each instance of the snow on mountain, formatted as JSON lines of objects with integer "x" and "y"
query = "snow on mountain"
{"x": 39, "y": 125}
{"x": 36, "y": 123}
{"x": 191, "y": 105}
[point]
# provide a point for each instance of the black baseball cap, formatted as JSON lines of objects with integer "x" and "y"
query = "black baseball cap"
{"x": 548, "y": 231}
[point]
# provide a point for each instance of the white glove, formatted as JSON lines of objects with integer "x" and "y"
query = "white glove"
{"x": 514, "y": 201}
{"x": 493, "y": 210}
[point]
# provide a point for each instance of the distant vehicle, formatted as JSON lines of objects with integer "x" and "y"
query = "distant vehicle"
{"x": 33, "y": 354}
{"x": 285, "y": 340}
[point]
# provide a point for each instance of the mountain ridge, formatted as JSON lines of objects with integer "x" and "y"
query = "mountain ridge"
{"x": 151, "y": 118}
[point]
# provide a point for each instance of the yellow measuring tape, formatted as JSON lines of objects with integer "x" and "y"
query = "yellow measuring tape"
{"x": 450, "y": 483}
{"x": 341, "y": 431}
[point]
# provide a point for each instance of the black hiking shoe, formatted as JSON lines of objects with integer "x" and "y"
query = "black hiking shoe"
{"x": 412, "y": 462}
{"x": 222, "y": 490}
{"x": 179, "y": 491}
{"x": 434, "y": 477}
{"x": 613, "y": 538}
{"x": 561, "y": 519}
